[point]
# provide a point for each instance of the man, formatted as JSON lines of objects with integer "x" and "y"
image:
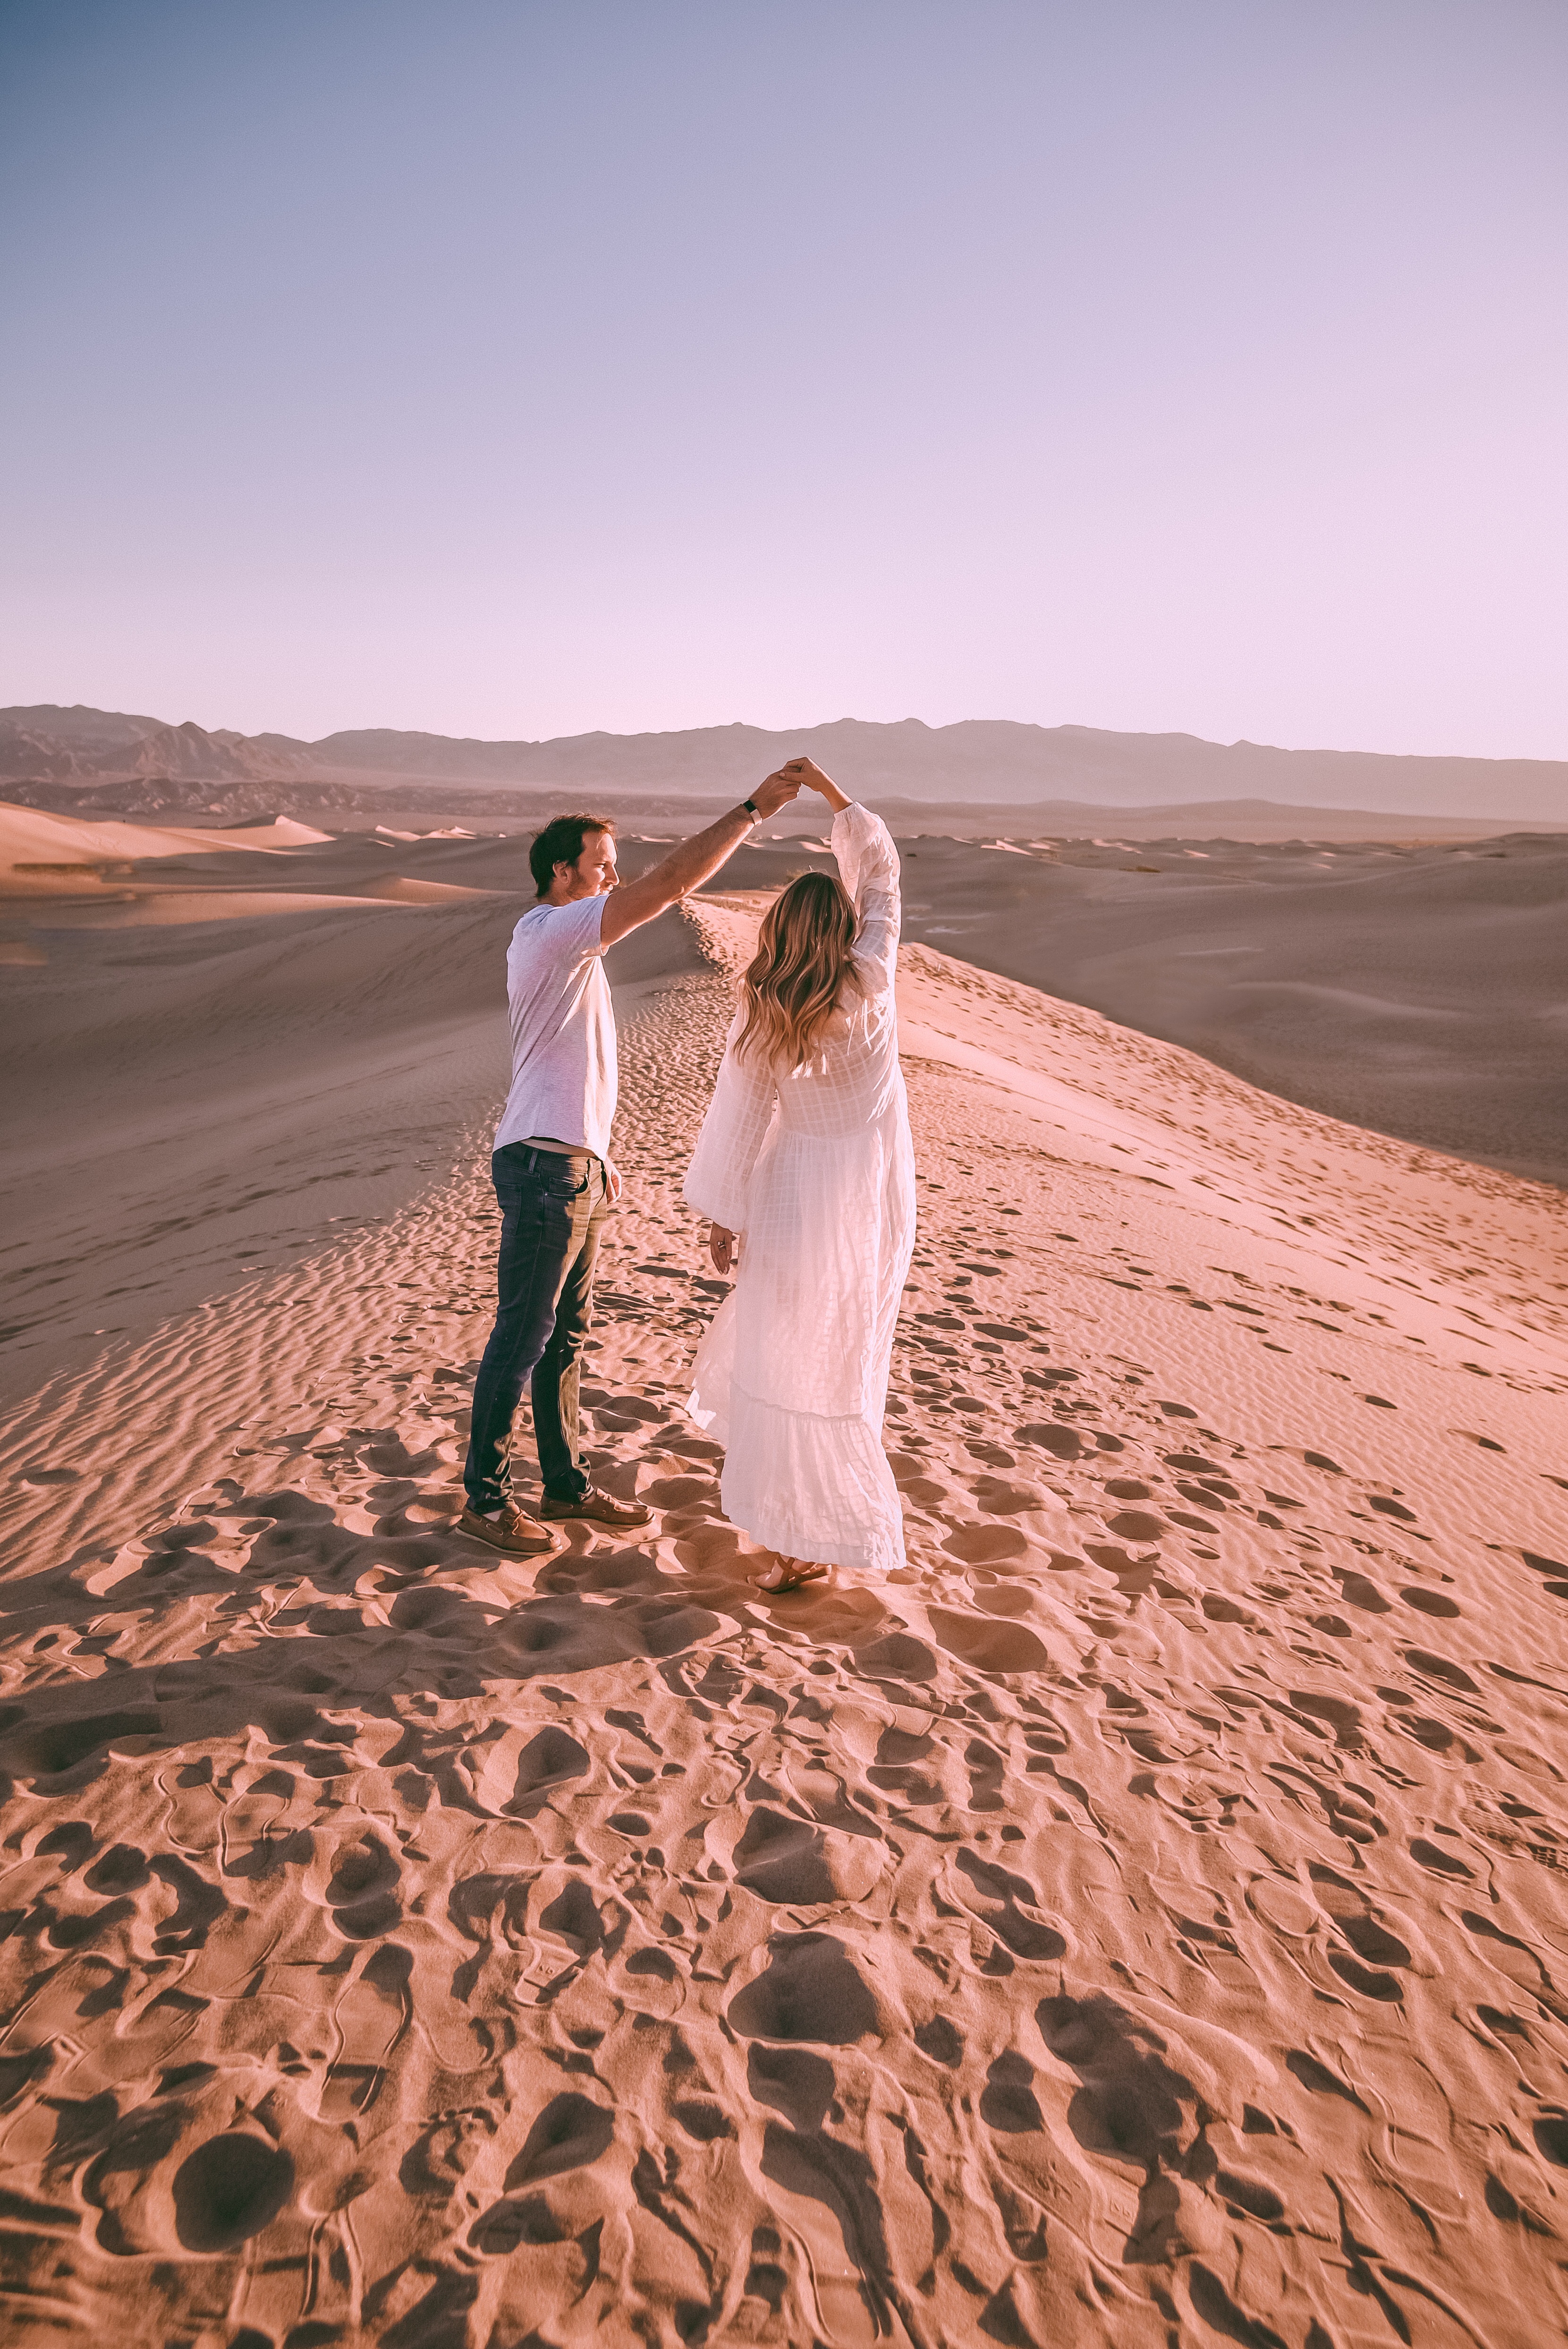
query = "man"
{"x": 552, "y": 1162}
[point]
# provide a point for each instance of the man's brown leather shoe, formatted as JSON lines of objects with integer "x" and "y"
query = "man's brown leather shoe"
{"x": 514, "y": 1531}
{"x": 598, "y": 1509}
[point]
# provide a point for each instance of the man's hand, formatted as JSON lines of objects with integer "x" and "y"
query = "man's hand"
{"x": 696, "y": 860}
{"x": 724, "y": 1247}
{"x": 778, "y": 790}
{"x": 809, "y": 777}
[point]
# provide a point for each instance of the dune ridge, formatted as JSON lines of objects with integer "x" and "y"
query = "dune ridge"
{"x": 47, "y": 854}
{"x": 1143, "y": 1922}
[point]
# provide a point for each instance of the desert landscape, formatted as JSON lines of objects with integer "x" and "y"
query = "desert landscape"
{"x": 1141, "y": 1922}
{"x": 284, "y": 1028}
{"x": 1122, "y": 449}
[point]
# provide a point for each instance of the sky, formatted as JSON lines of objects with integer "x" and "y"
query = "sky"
{"x": 512, "y": 369}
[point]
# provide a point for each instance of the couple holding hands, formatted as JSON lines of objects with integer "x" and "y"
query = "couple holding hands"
{"x": 803, "y": 1169}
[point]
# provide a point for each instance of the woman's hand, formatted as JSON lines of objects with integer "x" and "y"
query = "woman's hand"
{"x": 775, "y": 791}
{"x": 723, "y": 1246}
{"x": 810, "y": 777}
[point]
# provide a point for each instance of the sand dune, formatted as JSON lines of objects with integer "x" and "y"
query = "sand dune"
{"x": 1140, "y": 1924}
{"x": 125, "y": 875}
{"x": 256, "y": 1085}
{"x": 165, "y": 909}
{"x": 1421, "y": 991}
{"x": 56, "y": 854}
{"x": 137, "y": 909}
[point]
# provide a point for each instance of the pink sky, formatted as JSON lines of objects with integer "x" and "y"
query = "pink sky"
{"x": 512, "y": 370}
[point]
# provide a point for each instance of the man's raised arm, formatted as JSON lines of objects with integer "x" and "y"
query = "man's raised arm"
{"x": 696, "y": 860}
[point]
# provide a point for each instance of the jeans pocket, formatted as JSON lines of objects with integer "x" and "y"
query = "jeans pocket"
{"x": 562, "y": 1190}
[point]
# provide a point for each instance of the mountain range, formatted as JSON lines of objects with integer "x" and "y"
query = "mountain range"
{"x": 80, "y": 756}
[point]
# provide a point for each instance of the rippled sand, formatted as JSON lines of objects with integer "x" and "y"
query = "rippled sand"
{"x": 1140, "y": 1924}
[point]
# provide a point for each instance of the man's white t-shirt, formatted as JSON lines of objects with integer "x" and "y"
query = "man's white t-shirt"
{"x": 562, "y": 1029}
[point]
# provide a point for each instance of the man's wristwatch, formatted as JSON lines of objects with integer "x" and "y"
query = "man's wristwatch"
{"x": 752, "y": 809}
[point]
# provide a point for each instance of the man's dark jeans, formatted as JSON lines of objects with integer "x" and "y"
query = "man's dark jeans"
{"x": 553, "y": 1209}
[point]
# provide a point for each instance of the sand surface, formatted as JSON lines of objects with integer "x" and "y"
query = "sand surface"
{"x": 54, "y": 856}
{"x": 1140, "y": 1924}
{"x": 200, "y": 1083}
{"x": 1420, "y": 990}
{"x": 215, "y": 1059}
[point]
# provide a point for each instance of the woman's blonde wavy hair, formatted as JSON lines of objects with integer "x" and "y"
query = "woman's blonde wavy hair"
{"x": 802, "y": 965}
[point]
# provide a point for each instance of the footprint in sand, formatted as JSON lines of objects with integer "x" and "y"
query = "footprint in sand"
{"x": 1002, "y": 1903}
{"x": 790, "y": 1863}
{"x": 809, "y": 1990}
{"x": 369, "y": 2020}
{"x": 1368, "y": 1949}
{"x": 228, "y": 2190}
{"x": 1047, "y": 1436}
{"x": 362, "y": 1889}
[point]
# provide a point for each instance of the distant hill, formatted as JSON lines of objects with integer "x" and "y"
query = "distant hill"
{"x": 80, "y": 752}
{"x": 47, "y": 743}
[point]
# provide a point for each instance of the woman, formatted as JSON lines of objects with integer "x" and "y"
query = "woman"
{"x": 805, "y": 1155}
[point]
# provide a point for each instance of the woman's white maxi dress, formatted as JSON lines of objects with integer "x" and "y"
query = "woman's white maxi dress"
{"x": 815, "y": 1170}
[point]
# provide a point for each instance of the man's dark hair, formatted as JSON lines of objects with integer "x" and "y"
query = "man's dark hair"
{"x": 561, "y": 843}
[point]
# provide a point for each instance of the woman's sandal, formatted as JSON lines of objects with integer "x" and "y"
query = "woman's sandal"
{"x": 793, "y": 1574}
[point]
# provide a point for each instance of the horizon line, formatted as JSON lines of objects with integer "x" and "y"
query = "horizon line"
{"x": 16, "y": 710}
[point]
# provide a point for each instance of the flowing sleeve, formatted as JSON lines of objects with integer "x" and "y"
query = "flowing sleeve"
{"x": 733, "y": 1132}
{"x": 868, "y": 866}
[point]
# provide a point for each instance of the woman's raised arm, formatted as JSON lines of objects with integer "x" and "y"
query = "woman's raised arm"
{"x": 869, "y": 869}
{"x": 868, "y": 865}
